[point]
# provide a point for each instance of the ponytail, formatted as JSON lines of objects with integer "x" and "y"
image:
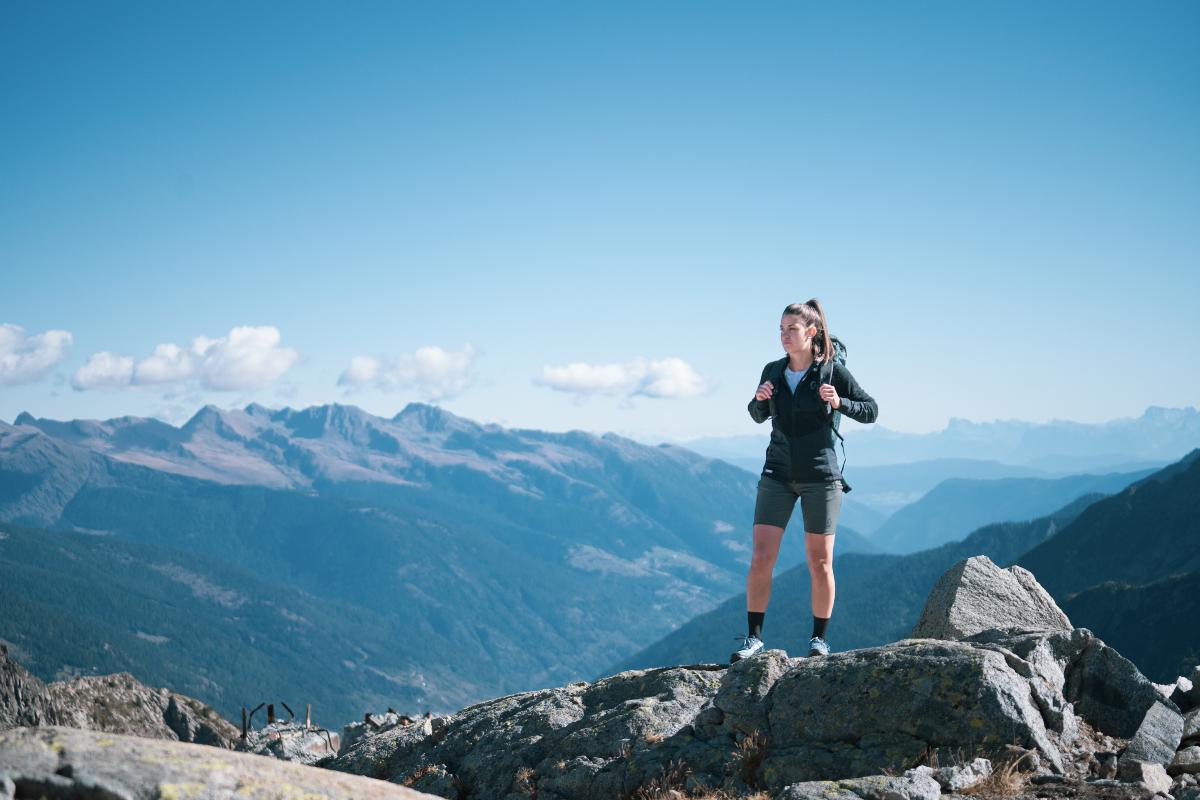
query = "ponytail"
{"x": 813, "y": 314}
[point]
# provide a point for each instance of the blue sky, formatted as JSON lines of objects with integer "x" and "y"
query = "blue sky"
{"x": 998, "y": 203}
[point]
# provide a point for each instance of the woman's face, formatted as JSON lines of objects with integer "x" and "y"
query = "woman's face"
{"x": 794, "y": 335}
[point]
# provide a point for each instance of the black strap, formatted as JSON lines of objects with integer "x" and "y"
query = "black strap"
{"x": 831, "y": 411}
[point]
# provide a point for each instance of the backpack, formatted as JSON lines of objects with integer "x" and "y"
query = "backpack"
{"x": 835, "y": 416}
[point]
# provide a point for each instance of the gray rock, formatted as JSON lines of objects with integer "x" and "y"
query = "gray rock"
{"x": 1105, "y": 765}
{"x": 817, "y": 790}
{"x": 117, "y": 703}
{"x": 1043, "y": 658}
{"x": 582, "y": 740}
{"x": 1152, "y": 776}
{"x": 1165, "y": 690}
{"x": 771, "y": 722}
{"x": 1156, "y": 738}
{"x": 1190, "y": 794}
{"x": 1191, "y": 726}
{"x": 912, "y": 785}
{"x": 851, "y": 713}
{"x": 1181, "y": 693}
{"x": 1186, "y": 761}
{"x": 372, "y": 723}
{"x": 745, "y": 687}
{"x": 975, "y": 595}
{"x": 291, "y": 742}
{"x": 67, "y": 762}
{"x": 963, "y": 776}
{"x": 1107, "y": 689}
{"x": 24, "y": 699}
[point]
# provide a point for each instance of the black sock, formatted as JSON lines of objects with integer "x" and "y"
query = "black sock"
{"x": 754, "y": 623}
{"x": 819, "y": 624}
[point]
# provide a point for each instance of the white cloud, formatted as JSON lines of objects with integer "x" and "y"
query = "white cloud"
{"x": 669, "y": 377}
{"x": 104, "y": 371}
{"x": 24, "y": 359}
{"x": 247, "y": 358}
{"x": 362, "y": 369}
{"x": 435, "y": 373}
{"x": 169, "y": 364}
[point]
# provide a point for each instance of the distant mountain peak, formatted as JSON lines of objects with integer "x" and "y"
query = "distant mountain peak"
{"x": 426, "y": 417}
{"x": 25, "y": 418}
{"x": 344, "y": 421}
{"x": 1162, "y": 413}
{"x": 207, "y": 416}
{"x": 259, "y": 410}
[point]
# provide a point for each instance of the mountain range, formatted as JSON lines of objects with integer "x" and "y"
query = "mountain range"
{"x": 477, "y": 559}
{"x": 1059, "y": 447}
{"x": 466, "y": 560}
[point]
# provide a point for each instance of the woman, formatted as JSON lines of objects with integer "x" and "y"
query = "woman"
{"x": 799, "y": 393}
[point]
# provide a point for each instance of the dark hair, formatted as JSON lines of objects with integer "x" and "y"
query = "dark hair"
{"x": 811, "y": 312}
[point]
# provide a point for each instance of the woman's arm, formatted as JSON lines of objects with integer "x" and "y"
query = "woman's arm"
{"x": 760, "y": 410}
{"x": 855, "y": 403}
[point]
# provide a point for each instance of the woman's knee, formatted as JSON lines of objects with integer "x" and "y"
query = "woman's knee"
{"x": 766, "y": 547}
{"x": 819, "y": 562}
{"x": 820, "y": 567}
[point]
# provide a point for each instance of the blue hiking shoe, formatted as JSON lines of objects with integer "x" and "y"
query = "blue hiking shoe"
{"x": 818, "y": 646}
{"x": 751, "y": 645}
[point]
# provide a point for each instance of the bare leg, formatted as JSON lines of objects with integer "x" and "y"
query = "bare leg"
{"x": 818, "y": 549}
{"x": 762, "y": 564}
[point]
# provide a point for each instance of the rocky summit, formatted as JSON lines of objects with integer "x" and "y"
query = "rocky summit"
{"x": 1025, "y": 706}
{"x": 117, "y": 703}
{"x": 1008, "y": 699}
{"x": 66, "y": 763}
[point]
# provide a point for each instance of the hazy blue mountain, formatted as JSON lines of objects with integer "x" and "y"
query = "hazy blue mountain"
{"x": 955, "y": 507}
{"x": 878, "y": 600}
{"x": 1147, "y": 532}
{"x": 1155, "y": 625}
{"x": 81, "y": 604}
{"x": 1158, "y": 436}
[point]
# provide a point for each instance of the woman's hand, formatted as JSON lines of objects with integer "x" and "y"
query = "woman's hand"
{"x": 829, "y": 395}
{"x": 764, "y": 392}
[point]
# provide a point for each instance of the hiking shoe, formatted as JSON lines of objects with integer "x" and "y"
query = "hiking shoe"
{"x": 750, "y": 646}
{"x": 818, "y": 646}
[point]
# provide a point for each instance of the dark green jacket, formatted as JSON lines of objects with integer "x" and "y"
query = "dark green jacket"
{"x": 802, "y": 435}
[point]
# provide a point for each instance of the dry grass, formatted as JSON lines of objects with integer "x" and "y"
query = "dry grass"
{"x": 418, "y": 773}
{"x": 1005, "y": 779}
{"x": 653, "y": 737}
{"x": 749, "y": 755}
{"x": 670, "y": 784}
{"x": 931, "y": 759}
{"x": 525, "y": 782}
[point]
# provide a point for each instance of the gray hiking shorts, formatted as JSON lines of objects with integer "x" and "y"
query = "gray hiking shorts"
{"x": 819, "y": 504}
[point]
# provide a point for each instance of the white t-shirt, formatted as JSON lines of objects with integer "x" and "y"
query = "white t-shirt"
{"x": 794, "y": 378}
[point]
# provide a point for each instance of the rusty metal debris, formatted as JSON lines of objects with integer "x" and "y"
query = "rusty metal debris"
{"x": 287, "y": 735}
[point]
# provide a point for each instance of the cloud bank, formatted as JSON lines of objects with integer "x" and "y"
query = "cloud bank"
{"x": 668, "y": 377}
{"x": 435, "y": 373}
{"x": 25, "y": 359}
{"x": 247, "y": 358}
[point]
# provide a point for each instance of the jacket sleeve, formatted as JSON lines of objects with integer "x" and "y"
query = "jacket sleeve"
{"x": 856, "y": 403}
{"x": 760, "y": 410}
